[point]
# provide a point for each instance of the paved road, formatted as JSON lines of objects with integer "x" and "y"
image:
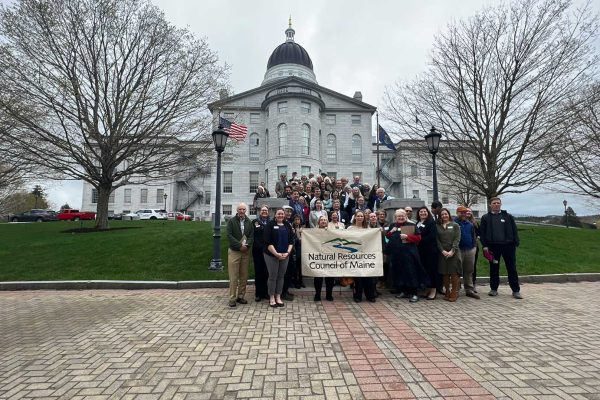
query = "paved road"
{"x": 188, "y": 345}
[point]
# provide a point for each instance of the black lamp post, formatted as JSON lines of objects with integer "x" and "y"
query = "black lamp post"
{"x": 433, "y": 144}
{"x": 566, "y": 213}
{"x": 165, "y": 197}
{"x": 220, "y": 140}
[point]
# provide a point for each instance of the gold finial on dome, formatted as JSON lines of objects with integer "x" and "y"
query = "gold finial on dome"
{"x": 289, "y": 32}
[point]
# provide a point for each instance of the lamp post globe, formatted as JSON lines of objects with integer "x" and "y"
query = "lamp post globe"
{"x": 433, "y": 139}
{"x": 220, "y": 141}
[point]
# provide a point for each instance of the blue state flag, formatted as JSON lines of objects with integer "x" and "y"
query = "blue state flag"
{"x": 384, "y": 138}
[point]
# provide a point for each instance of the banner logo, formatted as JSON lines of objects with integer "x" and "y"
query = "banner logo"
{"x": 343, "y": 244}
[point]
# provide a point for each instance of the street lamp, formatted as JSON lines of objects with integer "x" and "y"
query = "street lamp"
{"x": 220, "y": 140}
{"x": 433, "y": 144}
{"x": 165, "y": 197}
{"x": 566, "y": 213}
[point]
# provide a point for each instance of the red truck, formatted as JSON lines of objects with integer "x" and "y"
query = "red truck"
{"x": 75, "y": 215}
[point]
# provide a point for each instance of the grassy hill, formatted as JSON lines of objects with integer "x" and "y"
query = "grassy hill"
{"x": 176, "y": 250}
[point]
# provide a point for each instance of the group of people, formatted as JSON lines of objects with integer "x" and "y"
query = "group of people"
{"x": 426, "y": 256}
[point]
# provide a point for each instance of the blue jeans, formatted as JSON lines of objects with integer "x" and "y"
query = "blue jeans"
{"x": 508, "y": 253}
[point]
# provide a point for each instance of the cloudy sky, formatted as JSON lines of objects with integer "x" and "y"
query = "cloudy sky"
{"x": 354, "y": 45}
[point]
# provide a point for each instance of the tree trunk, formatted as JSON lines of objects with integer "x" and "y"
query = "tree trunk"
{"x": 102, "y": 206}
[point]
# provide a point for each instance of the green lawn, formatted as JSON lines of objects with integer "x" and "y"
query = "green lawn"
{"x": 177, "y": 251}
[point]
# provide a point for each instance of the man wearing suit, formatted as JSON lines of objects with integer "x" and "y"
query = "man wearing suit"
{"x": 240, "y": 232}
{"x": 343, "y": 215}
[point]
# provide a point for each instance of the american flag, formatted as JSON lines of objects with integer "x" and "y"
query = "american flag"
{"x": 236, "y": 131}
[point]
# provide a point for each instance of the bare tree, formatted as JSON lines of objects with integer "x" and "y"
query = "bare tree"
{"x": 576, "y": 155}
{"x": 104, "y": 90}
{"x": 494, "y": 84}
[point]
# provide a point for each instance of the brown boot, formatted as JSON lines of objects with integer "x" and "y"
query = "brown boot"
{"x": 455, "y": 285}
{"x": 446, "y": 287}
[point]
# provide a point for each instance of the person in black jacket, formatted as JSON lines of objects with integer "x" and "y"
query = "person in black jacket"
{"x": 278, "y": 240}
{"x": 499, "y": 237}
{"x": 260, "y": 268}
{"x": 428, "y": 251}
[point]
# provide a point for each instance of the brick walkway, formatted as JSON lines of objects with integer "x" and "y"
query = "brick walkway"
{"x": 190, "y": 345}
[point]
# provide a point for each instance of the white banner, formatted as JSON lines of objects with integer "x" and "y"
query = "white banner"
{"x": 338, "y": 253}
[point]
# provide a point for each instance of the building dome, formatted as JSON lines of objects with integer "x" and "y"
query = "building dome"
{"x": 289, "y": 59}
{"x": 290, "y": 53}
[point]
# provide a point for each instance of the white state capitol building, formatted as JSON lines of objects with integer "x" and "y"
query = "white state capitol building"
{"x": 294, "y": 125}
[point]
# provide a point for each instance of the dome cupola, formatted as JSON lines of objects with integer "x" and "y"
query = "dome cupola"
{"x": 289, "y": 59}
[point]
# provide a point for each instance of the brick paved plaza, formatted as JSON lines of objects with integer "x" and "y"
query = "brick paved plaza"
{"x": 188, "y": 344}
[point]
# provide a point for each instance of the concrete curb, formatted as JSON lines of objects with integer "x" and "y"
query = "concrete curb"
{"x": 143, "y": 285}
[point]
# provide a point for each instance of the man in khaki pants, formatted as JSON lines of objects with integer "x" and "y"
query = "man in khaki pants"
{"x": 240, "y": 233}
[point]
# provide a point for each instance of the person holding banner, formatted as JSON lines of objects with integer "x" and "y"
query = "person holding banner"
{"x": 362, "y": 283}
{"x": 278, "y": 238}
{"x": 318, "y": 281}
{"x": 407, "y": 272}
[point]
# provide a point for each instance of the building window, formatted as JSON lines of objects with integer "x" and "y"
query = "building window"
{"x": 266, "y": 179}
{"x": 253, "y": 181}
{"x": 127, "y": 199}
{"x": 227, "y": 182}
{"x": 282, "y": 169}
{"x": 254, "y": 147}
{"x": 331, "y": 148}
{"x": 430, "y": 195}
{"x": 428, "y": 171}
{"x": 282, "y": 107}
{"x": 207, "y": 197}
{"x": 305, "y": 107}
{"x": 356, "y": 119}
{"x": 413, "y": 170}
{"x": 94, "y": 196}
{"x": 330, "y": 119}
{"x": 305, "y": 170}
{"x": 111, "y": 198}
{"x": 144, "y": 196}
{"x": 227, "y": 208}
{"x": 356, "y": 148}
{"x": 255, "y": 118}
{"x": 416, "y": 194}
{"x": 229, "y": 116}
{"x": 160, "y": 196}
{"x": 305, "y": 140}
{"x": 282, "y": 136}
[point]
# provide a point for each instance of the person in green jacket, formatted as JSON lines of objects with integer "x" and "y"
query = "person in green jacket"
{"x": 240, "y": 232}
{"x": 449, "y": 264}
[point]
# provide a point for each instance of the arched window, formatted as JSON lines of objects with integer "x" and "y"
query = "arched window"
{"x": 331, "y": 148}
{"x": 356, "y": 148}
{"x": 305, "y": 140}
{"x": 282, "y": 136}
{"x": 254, "y": 147}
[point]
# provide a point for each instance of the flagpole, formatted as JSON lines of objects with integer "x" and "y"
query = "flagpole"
{"x": 378, "y": 171}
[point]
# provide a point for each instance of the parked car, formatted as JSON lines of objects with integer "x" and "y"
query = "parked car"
{"x": 115, "y": 216}
{"x": 182, "y": 217}
{"x": 75, "y": 215}
{"x": 35, "y": 216}
{"x": 146, "y": 214}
